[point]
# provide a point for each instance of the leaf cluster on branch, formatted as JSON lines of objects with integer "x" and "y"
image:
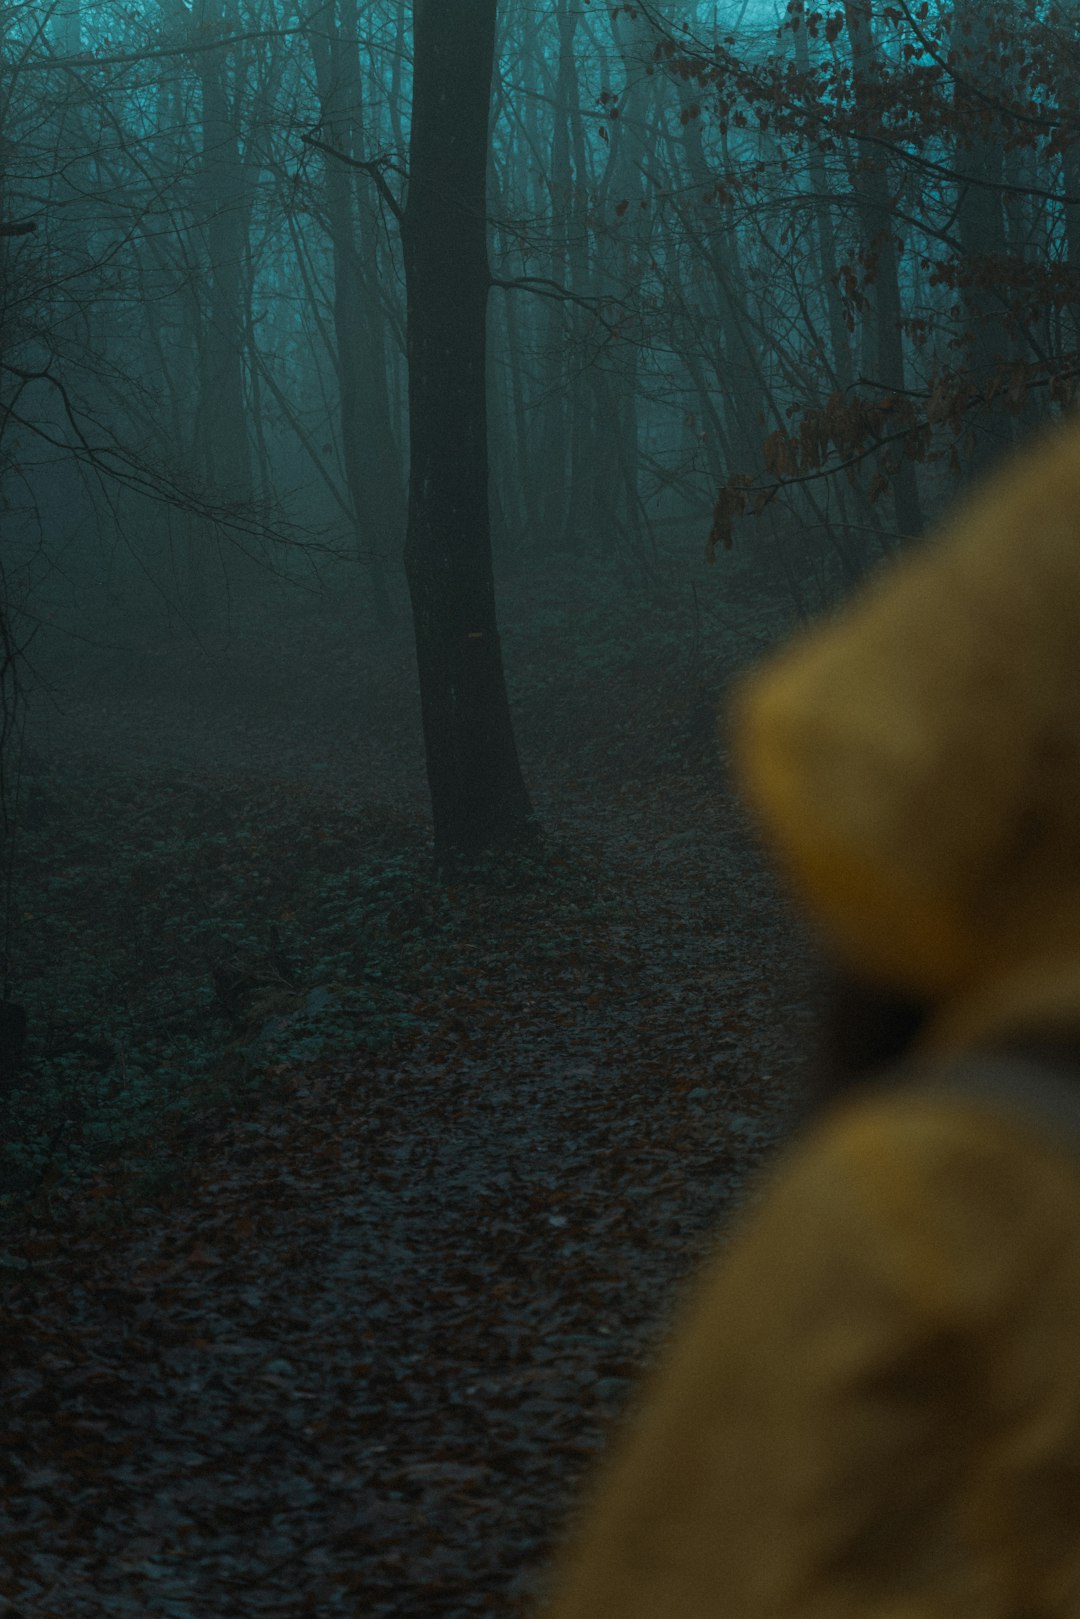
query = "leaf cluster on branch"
{"x": 846, "y": 432}
{"x": 941, "y": 146}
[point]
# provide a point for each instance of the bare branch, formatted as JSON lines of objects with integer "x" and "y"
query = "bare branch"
{"x": 372, "y": 167}
{"x": 51, "y": 64}
{"x": 546, "y": 288}
{"x": 953, "y": 175}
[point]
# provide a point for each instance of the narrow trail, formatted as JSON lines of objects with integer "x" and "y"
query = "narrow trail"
{"x": 360, "y": 1363}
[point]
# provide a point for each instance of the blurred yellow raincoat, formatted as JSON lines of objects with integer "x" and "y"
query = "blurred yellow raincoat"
{"x": 871, "y": 1409}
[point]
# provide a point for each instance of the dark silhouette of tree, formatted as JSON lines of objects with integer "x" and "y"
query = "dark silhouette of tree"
{"x": 821, "y": 267}
{"x": 478, "y": 796}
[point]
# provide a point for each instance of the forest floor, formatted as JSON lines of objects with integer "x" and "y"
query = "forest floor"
{"x": 343, "y": 1209}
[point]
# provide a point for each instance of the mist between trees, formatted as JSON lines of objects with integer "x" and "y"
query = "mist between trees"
{"x": 758, "y": 283}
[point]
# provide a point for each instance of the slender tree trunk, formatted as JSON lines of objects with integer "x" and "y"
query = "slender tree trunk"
{"x": 819, "y": 182}
{"x": 557, "y": 456}
{"x": 1028, "y": 235}
{"x": 1069, "y": 324}
{"x": 871, "y": 182}
{"x": 368, "y": 450}
{"x": 225, "y": 191}
{"x": 478, "y": 796}
{"x": 526, "y": 502}
{"x": 622, "y": 252}
{"x": 69, "y": 29}
{"x": 981, "y": 227}
{"x": 578, "y": 515}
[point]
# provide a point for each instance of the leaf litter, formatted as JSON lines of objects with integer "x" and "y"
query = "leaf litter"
{"x": 357, "y": 1354}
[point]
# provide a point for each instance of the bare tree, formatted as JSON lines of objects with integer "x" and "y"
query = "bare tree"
{"x": 479, "y": 800}
{"x": 369, "y": 452}
{"x": 871, "y": 186}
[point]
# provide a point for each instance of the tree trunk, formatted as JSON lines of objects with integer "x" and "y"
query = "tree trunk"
{"x": 819, "y": 185}
{"x": 1069, "y": 323}
{"x": 478, "y": 797}
{"x": 981, "y": 227}
{"x": 368, "y": 450}
{"x": 874, "y": 203}
{"x": 555, "y": 429}
{"x": 579, "y": 515}
{"x": 225, "y": 193}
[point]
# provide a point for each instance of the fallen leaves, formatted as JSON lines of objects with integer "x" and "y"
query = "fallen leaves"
{"x": 357, "y": 1359}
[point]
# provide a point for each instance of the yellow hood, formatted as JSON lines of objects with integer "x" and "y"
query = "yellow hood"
{"x": 915, "y": 763}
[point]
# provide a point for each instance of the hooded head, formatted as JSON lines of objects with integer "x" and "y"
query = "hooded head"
{"x": 914, "y": 764}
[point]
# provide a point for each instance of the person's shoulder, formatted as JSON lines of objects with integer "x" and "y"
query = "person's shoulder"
{"x": 1006, "y": 1111}
{"x": 952, "y": 1181}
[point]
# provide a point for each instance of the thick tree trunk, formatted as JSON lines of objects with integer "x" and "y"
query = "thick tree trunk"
{"x": 478, "y": 797}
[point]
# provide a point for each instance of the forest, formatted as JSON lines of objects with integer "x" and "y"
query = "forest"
{"x": 413, "y": 417}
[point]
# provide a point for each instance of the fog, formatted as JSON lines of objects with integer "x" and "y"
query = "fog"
{"x": 398, "y": 462}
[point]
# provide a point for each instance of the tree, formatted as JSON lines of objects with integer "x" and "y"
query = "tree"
{"x": 943, "y": 142}
{"x": 369, "y": 451}
{"x": 225, "y": 191}
{"x": 876, "y": 209}
{"x": 980, "y": 221}
{"x": 479, "y": 800}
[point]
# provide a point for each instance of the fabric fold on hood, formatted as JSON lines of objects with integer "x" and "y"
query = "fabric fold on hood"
{"x": 914, "y": 763}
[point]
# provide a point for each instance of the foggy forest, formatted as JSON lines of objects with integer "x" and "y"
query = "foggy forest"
{"x": 413, "y": 417}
